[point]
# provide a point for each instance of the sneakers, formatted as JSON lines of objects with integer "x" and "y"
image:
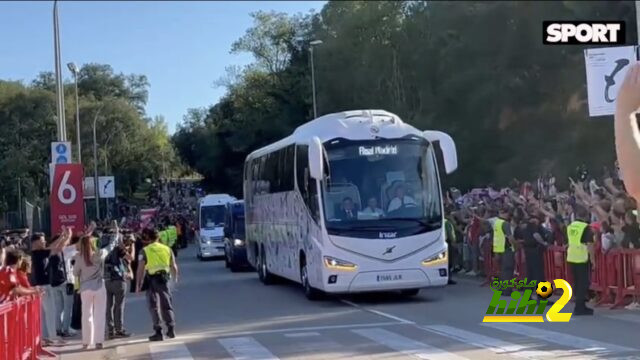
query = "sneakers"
{"x": 99, "y": 346}
{"x": 451, "y": 282}
{"x": 157, "y": 336}
{"x": 171, "y": 333}
{"x": 633, "y": 306}
{"x": 462, "y": 271}
{"x": 121, "y": 334}
{"x": 472, "y": 273}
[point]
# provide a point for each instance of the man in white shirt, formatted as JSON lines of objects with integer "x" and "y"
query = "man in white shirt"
{"x": 400, "y": 200}
{"x": 372, "y": 208}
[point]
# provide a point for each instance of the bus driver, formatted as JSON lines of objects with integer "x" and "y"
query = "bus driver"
{"x": 400, "y": 200}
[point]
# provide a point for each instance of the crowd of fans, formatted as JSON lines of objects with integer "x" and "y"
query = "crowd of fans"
{"x": 84, "y": 277}
{"x": 538, "y": 214}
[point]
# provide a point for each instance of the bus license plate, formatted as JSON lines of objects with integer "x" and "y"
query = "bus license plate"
{"x": 389, "y": 277}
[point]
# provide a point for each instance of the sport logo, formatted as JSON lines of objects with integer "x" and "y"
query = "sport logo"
{"x": 521, "y": 308}
{"x": 583, "y": 32}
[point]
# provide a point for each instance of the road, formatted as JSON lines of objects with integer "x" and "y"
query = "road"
{"x": 224, "y": 315}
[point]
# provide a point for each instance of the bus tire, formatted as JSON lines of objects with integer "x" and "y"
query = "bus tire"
{"x": 409, "y": 292}
{"x": 263, "y": 272}
{"x": 226, "y": 260}
{"x": 310, "y": 292}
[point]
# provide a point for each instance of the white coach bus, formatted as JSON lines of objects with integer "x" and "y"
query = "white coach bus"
{"x": 350, "y": 202}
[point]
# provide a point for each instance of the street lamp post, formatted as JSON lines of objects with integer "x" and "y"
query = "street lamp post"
{"x": 62, "y": 128}
{"x": 95, "y": 167}
{"x": 74, "y": 70}
{"x": 313, "y": 76}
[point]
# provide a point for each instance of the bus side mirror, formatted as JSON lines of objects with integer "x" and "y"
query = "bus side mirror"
{"x": 448, "y": 147}
{"x": 315, "y": 159}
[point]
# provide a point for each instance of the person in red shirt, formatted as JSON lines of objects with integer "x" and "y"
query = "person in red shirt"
{"x": 24, "y": 272}
{"x": 9, "y": 285}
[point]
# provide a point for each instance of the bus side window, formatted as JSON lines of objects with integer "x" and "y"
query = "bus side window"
{"x": 306, "y": 184}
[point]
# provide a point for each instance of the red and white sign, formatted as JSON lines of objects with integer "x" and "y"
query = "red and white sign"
{"x": 67, "y": 200}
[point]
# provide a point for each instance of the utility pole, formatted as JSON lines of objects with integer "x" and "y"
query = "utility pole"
{"x": 313, "y": 76}
{"x": 95, "y": 167}
{"x": 62, "y": 128}
{"x": 74, "y": 70}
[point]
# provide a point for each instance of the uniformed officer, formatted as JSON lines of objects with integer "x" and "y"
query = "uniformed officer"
{"x": 579, "y": 249}
{"x": 158, "y": 264}
{"x": 172, "y": 234}
{"x": 504, "y": 246}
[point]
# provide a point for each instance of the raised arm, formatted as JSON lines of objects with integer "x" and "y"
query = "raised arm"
{"x": 626, "y": 130}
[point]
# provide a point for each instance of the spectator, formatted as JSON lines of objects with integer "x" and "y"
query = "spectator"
{"x": 40, "y": 254}
{"x": 89, "y": 268}
{"x": 24, "y": 272}
{"x": 117, "y": 273}
{"x": 9, "y": 283}
{"x": 61, "y": 281}
{"x": 631, "y": 231}
{"x": 627, "y": 133}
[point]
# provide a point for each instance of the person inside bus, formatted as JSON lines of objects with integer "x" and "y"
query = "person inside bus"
{"x": 347, "y": 211}
{"x": 372, "y": 208}
{"x": 400, "y": 200}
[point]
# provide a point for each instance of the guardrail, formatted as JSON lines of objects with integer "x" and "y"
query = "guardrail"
{"x": 614, "y": 278}
{"x": 20, "y": 329}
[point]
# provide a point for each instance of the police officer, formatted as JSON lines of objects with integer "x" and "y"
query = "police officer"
{"x": 504, "y": 246}
{"x": 158, "y": 264}
{"x": 579, "y": 250}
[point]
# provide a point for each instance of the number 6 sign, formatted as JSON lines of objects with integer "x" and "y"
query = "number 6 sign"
{"x": 67, "y": 204}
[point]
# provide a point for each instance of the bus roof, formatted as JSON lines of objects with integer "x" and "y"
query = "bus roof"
{"x": 216, "y": 199}
{"x": 353, "y": 125}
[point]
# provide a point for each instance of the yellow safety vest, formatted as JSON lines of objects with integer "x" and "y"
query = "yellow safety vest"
{"x": 158, "y": 258}
{"x": 453, "y": 231}
{"x": 164, "y": 237}
{"x": 173, "y": 235}
{"x": 577, "y": 252}
{"x": 499, "y": 238}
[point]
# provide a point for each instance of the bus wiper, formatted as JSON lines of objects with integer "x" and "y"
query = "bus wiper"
{"x": 425, "y": 223}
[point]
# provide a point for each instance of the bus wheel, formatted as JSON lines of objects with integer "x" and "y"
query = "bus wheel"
{"x": 311, "y": 293}
{"x": 263, "y": 273}
{"x": 409, "y": 292}
{"x": 226, "y": 260}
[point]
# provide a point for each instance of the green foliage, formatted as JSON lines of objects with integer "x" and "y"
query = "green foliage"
{"x": 477, "y": 70}
{"x": 129, "y": 146}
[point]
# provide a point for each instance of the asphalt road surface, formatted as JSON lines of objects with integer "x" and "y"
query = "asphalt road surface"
{"x": 224, "y": 315}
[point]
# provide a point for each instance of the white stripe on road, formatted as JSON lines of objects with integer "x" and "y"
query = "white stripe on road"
{"x": 563, "y": 339}
{"x": 169, "y": 351}
{"x": 246, "y": 348}
{"x": 405, "y": 345}
{"x": 624, "y": 317}
{"x": 377, "y": 312}
{"x": 302, "y": 334}
{"x": 122, "y": 352}
{"x": 495, "y": 345}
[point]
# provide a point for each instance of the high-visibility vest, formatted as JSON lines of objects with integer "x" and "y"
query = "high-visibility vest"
{"x": 158, "y": 258}
{"x": 453, "y": 239}
{"x": 499, "y": 238}
{"x": 173, "y": 235}
{"x": 577, "y": 252}
{"x": 164, "y": 237}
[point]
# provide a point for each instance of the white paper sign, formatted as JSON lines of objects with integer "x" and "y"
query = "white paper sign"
{"x": 106, "y": 187}
{"x": 606, "y": 69}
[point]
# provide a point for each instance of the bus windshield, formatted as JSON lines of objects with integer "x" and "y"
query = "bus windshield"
{"x": 212, "y": 216}
{"x": 382, "y": 185}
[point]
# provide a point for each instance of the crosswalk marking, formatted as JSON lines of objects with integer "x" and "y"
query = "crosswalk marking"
{"x": 405, "y": 345}
{"x": 169, "y": 351}
{"x": 246, "y": 348}
{"x": 302, "y": 334}
{"x": 625, "y": 317}
{"x": 495, "y": 345}
{"x": 567, "y": 340}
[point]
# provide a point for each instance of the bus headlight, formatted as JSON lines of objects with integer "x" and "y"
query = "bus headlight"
{"x": 441, "y": 258}
{"x": 205, "y": 241}
{"x": 337, "y": 264}
{"x": 238, "y": 242}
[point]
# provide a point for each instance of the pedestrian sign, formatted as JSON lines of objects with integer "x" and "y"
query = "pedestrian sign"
{"x": 60, "y": 152}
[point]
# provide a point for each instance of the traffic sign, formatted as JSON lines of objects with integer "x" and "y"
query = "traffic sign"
{"x": 61, "y": 152}
{"x": 67, "y": 205}
{"x": 606, "y": 69}
{"x": 106, "y": 187}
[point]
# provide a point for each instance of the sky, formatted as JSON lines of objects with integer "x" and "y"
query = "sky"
{"x": 181, "y": 46}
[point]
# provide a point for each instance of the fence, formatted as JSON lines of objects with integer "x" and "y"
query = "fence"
{"x": 20, "y": 329}
{"x": 614, "y": 278}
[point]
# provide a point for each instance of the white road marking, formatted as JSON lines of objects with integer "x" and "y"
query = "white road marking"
{"x": 122, "y": 352}
{"x": 377, "y": 312}
{"x": 302, "y": 334}
{"x": 220, "y": 333}
{"x": 405, "y": 345}
{"x": 625, "y": 317}
{"x": 559, "y": 338}
{"x": 246, "y": 348}
{"x": 496, "y": 345}
{"x": 169, "y": 351}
